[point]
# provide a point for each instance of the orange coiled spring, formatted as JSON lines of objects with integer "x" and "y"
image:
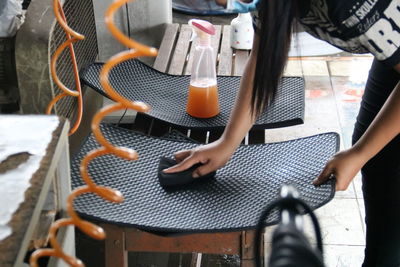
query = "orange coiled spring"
{"x": 72, "y": 37}
{"x": 107, "y": 193}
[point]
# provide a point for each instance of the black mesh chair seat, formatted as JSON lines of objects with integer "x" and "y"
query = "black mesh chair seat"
{"x": 231, "y": 201}
{"x": 167, "y": 95}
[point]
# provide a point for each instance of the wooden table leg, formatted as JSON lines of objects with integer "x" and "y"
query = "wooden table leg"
{"x": 247, "y": 263}
{"x": 247, "y": 257}
{"x": 115, "y": 251}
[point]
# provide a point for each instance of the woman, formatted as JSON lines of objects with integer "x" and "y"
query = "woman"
{"x": 356, "y": 26}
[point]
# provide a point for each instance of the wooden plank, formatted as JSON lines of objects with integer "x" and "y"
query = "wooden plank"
{"x": 247, "y": 245}
{"x": 240, "y": 62}
{"x": 215, "y": 41}
{"x": 143, "y": 259}
{"x": 165, "y": 50}
{"x": 181, "y": 49}
{"x": 225, "y": 54}
{"x": 248, "y": 263}
{"x": 212, "y": 243}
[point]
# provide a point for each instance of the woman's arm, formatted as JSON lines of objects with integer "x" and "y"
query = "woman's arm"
{"x": 382, "y": 130}
{"x": 215, "y": 155}
{"x": 241, "y": 119}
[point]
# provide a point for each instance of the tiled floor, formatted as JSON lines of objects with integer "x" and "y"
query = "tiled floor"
{"x": 334, "y": 87}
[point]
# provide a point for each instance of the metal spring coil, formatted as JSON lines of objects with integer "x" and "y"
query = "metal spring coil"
{"x": 90, "y": 229}
{"x": 71, "y": 37}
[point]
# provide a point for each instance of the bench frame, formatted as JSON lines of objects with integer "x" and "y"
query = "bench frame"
{"x": 120, "y": 240}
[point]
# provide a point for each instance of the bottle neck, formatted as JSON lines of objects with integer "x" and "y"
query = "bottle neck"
{"x": 205, "y": 40}
{"x": 244, "y": 16}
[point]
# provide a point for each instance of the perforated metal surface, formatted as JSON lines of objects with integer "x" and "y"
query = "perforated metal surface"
{"x": 231, "y": 201}
{"x": 80, "y": 17}
{"x": 167, "y": 95}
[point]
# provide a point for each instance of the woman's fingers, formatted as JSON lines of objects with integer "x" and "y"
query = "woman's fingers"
{"x": 204, "y": 169}
{"x": 181, "y": 155}
{"x": 324, "y": 176}
{"x": 183, "y": 165}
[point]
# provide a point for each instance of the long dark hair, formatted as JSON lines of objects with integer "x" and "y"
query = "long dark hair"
{"x": 276, "y": 19}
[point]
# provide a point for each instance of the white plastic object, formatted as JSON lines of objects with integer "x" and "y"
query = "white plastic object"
{"x": 203, "y": 91}
{"x": 203, "y": 67}
{"x": 242, "y": 32}
{"x": 11, "y": 17}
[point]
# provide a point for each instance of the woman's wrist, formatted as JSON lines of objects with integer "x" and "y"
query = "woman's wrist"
{"x": 230, "y": 142}
{"x": 362, "y": 153}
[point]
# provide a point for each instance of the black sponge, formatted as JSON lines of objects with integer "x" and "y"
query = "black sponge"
{"x": 174, "y": 180}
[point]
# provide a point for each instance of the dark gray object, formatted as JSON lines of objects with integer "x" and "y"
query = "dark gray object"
{"x": 167, "y": 95}
{"x": 232, "y": 201}
{"x": 179, "y": 180}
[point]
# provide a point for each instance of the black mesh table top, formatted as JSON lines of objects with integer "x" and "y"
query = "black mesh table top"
{"x": 231, "y": 201}
{"x": 167, "y": 95}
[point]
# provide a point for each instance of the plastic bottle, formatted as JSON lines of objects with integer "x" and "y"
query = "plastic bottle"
{"x": 202, "y": 99}
{"x": 242, "y": 32}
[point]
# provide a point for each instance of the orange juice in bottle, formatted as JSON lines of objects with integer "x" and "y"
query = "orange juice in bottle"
{"x": 202, "y": 99}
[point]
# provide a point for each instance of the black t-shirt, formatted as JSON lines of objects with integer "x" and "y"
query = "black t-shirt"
{"x": 356, "y": 26}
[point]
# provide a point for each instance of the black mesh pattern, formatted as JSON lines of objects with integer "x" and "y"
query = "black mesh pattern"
{"x": 232, "y": 201}
{"x": 80, "y": 17}
{"x": 167, "y": 95}
{"x": 178, "y": 136}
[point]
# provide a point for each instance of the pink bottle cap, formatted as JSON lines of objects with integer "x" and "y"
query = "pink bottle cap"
{"x": 203, "y": 25}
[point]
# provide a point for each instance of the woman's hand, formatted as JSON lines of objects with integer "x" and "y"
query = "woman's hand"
{"x": 213, "y": 156}
{"x": 344, "y": 166}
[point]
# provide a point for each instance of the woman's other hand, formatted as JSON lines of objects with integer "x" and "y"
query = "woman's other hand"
{"x": 344, "y": 166}
{"x": 213, "y": 156}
